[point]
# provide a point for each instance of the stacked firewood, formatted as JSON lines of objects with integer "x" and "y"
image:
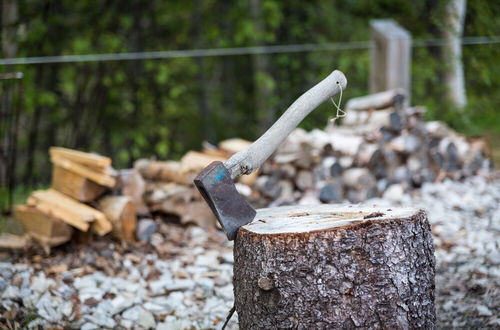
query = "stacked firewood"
{"x": 79, "y": 198}
{"x": 382, "y": 147}
{"x": 169, "y": 184}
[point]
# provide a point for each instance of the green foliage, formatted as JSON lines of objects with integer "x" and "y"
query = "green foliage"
{"x": 161, "y": 108}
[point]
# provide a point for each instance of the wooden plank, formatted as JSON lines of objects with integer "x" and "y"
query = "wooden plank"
{"x": 75, "y": 185}
{"x": 84, "y": 158}
{"x": 44, "y": 228}
{"x": 79, "y": 169}
{"x": 14, "y": 242}
{"x": 54, "y": 210}
{"x": 101, "y": 225}
{"x": 62, "y": 207}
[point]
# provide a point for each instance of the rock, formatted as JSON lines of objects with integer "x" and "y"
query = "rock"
{"x": 119, "y": 303}
{"x": 146, "y": 320}
{"x": 89, "y": 326}
{"x": 173, "y": 323}
{"x": 145, "y": 229}
{"x": 101, "y": 319}
{"x": 41, "y": 284}
{"x": 12, "y": 292}
{"x": 483, "y": 310}
{"x": 132, "y": 313}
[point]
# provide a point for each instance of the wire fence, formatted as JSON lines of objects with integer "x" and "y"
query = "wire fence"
{"x": 212, "y": 52}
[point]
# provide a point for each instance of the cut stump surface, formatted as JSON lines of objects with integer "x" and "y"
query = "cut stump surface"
{"x": 330, "y": 266}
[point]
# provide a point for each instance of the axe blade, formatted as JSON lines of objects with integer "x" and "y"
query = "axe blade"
{"x": 230, "y": 208}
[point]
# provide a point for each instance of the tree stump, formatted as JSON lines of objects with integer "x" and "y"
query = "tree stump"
{"x": 330, "y": 266}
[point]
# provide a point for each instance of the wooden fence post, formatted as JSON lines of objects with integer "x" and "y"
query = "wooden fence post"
{"x": 390, "y": 57}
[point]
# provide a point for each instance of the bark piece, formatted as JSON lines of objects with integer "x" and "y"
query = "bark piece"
{"x": 332, "y": 267}
{"x": 120, "y": 210}
{"x": 74, "y": 185}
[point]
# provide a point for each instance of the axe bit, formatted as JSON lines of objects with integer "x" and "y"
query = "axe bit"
{"x": 215, "y": 182}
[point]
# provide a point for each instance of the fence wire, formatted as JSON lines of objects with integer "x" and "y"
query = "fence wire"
{"x": 212, "y": 52}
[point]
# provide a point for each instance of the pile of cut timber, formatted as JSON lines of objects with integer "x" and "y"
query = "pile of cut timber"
{"x": 169, "y": 184}
{"x": 74, "y": 201}
{"x": 382, "y": 147}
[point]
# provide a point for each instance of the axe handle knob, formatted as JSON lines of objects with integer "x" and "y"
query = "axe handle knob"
{"x": 248, "y": 160}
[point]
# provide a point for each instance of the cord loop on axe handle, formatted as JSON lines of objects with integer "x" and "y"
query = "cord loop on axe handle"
{"x": 340, "y": 113}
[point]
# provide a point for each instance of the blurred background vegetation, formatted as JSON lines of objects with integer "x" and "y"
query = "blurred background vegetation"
{"x": 162, "y": 108}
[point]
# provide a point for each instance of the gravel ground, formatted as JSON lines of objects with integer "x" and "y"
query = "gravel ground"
{"x": 183, "y": 278}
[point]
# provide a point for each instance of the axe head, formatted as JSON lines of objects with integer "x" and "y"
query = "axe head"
{"x": 217, "y": 188}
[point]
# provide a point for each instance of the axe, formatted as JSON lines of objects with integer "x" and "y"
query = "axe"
{"x": 215, "y": 182}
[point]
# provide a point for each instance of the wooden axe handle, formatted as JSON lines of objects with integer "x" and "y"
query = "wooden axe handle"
{"x": 248, "y": 160}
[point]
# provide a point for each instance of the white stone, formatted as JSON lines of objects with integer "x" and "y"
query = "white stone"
{"x": 173, "y": 323}
{"x": 41, "y": 284}
{"x": 132, "y": 313}
{"x": 483, "y": 310}
{"x": 146, "y": 320}
{"x": 101, "y": 319}
{"x": 119, "y": 303}
{"x": 12, "y": 292}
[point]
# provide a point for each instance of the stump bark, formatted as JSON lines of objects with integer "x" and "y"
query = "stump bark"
{"x": 335, "y": 267}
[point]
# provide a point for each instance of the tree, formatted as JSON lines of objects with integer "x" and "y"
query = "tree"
{"x": 454, "y": 71}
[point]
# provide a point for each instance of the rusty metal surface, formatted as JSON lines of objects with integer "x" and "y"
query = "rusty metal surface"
{"x": 217, "y": 188}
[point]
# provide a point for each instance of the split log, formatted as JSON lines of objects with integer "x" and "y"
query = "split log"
{"x": 335, "y": 267}
{"x": 169, "y": 171}
{"x": 74, "y": 185}
{"x": 195, "y": 161}
{"x": 346, "y": 144}
{"x": 47, "y": 230}
{"x": 382, "y": 100}
{"x": 70, "y": 211}
{"x": 84, "y": 158}
{"x": 82, "y": 170}
{"x": 332, "y": 192}
{"x": 120, "y": 210}
{"x": 358, "y": 178}
{"x": 304, "y": 180}
{"x": 131, "y": 183}
{"x": 235, "y": 145}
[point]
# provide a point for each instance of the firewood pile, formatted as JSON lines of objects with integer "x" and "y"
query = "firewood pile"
{"x": 75, "y": 201}
{"x": 383, "y": 148}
